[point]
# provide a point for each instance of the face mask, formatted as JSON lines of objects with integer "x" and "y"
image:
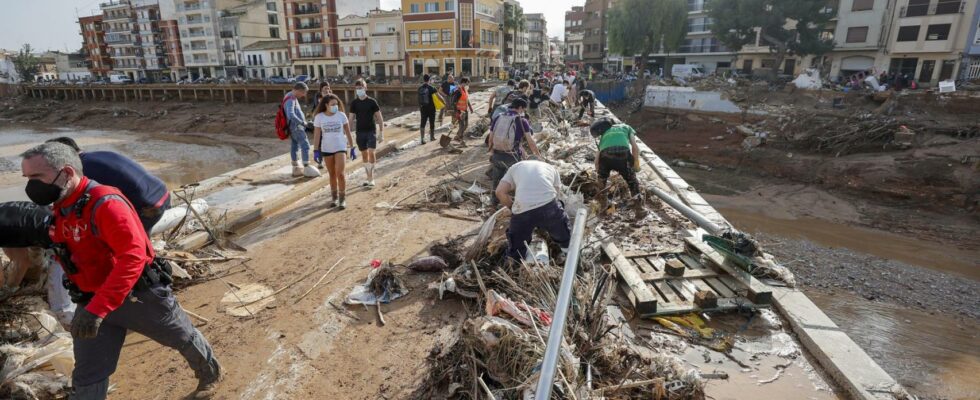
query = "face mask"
{"x": 44, "y": 193}
{"x": 334, "y": 109}
{"x": 361, "y": 93}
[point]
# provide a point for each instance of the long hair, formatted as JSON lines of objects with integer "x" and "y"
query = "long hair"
{"x": 322, "y": 105}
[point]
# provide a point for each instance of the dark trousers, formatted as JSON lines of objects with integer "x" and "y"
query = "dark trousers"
{"x": 463, "y": 118}
{"x": 500, "y": 162}
{"x": 155, "y": 314}
{"x": 151, "y": 215}
{"x": 428, "y": 114}
{"x": 590, "y": 105}
{"x": 621, "y": 162}
{"x": 549, "y": 217}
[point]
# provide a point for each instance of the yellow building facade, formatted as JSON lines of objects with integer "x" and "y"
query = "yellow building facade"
{"x": 462, "y": 37}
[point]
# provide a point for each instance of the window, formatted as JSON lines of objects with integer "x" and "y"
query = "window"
{"x": 946, "y": 72}
{"x": 430, "y": 36}
{"x": 346, "y": 33}
{"x": 908, "y": 33}
{"x": 928, "y": 67}
{"x": 917, "y": 8}
{"x": 414, "y": 8}
{"x": 450, "y": 5}
{"x": 938, "y": 32}
{"x": 270, "y": 6}
{"x": 358, "y": 32}
{"x": 857, "y": 34}
{"x": 273, "y": 19}
{"x": 376, "y": 48}
{"x": 447, "y": 36}
{"x": 431, "y": 7}
{"x": 466, "y": 19}
{"x": 862, "y": 5}
{"x": 413, "y": 37}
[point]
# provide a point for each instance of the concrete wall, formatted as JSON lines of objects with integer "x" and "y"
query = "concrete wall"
{"x": 685, "y": 98}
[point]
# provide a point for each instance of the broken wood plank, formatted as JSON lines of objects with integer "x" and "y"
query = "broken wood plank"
{"x": 642, "y": 265}
{"x": 719, "y": 287}
{"x": 675, "y": 267}
{"x": 641, "y": 297}
{"x": 695, "y": 274}
{"x": 758, "y": 292}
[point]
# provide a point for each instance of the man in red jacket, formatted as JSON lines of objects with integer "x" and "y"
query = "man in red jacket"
{"x": 111, "y": 273}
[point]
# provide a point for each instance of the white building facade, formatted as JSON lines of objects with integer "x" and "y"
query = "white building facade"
{"x": 386, "y": 53}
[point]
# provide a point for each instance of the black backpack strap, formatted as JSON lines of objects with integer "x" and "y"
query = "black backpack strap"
{"x": 99, "y": 202}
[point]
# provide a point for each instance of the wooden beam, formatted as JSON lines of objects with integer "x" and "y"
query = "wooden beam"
{"x": 644, "y": 301}
{"x": 690, "y": 274}
{"x": 759, "y": 292}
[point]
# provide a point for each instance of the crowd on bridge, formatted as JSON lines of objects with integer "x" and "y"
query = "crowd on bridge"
{"x": 95, "y": 209}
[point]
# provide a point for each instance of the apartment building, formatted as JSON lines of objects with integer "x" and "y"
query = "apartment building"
{"x": 241, "y": 24}
{"x": 859, "y": 37}
{"x": 94, "y": 48}
{"x": 122, "y": 37}
{"x": 556, "y": 50}
{"x": 353, "y": 33}
{"x": 537, "y": 42}
{"x": 386, "y": 49}
{"x": 47, "y": 68}
{"x": 198, "y": 23}
{"x": 154, "y": 63}
{"x": 927, "y": 37}
{"x": 971, "y": 55}
{"x": 71, "y": 66}
{"x": 267, "y": 58}
{"x": 455, "y": 36}
{"x": 311, "y": 29}
{"x": 170, "y": 35}
{"x": 574, "y": 35}
{"x": 594, "y": 28}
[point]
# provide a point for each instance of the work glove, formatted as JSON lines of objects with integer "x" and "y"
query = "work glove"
{"x": 353, "y": 153}
{"x": 317, "y": 156}
{"x": 85, "y": 325}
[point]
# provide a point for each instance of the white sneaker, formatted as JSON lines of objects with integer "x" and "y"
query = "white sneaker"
{"x": 311, "y": 172}
{"x": 342, "y": 204}
{"x": 370, "y": 183}
{"x": 297, "y": 171}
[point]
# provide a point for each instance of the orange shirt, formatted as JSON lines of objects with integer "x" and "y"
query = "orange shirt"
{"x": 464, "y": 98}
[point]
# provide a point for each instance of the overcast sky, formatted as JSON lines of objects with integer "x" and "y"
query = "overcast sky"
{"x": 53, "y": 24}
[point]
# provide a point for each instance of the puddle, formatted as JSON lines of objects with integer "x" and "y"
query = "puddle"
{"x": 177, "y": 159}
{"x": 932, "y": 354}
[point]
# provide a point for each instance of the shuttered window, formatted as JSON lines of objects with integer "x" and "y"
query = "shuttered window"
{"x": 857, "y": 34}
{"x": 862, "y": 5}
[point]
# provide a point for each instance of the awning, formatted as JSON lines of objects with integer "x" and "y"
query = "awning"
{"x": 857, "y": 63}
{"x": 431, "y": 63}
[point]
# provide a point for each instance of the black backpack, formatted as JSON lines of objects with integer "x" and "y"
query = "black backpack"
{"x": 425, "y": 95}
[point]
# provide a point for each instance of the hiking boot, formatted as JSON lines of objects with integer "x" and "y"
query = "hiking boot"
{"x": 432, "y": 137}
{"x": 206, "y": 389}
{"x": 310, "y": 172}
{"x": 297, "y": 171}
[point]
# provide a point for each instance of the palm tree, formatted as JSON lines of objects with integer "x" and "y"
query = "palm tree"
{"x": 513, "y": 20}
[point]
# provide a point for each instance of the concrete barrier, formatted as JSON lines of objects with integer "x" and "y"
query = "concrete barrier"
{"x": 686, "y": 98}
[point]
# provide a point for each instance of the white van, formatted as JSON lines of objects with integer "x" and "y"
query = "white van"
{"x": 687, "y": 71}
{"x": 119, "y": 79}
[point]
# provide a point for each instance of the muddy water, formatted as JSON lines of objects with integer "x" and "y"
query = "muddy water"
{"x": 932, "y": 354}
{"x": 178, "y": 159}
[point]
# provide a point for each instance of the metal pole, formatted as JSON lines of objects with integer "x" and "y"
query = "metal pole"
{"x": 688, "y": 212}
{"x": 549, "y": 365}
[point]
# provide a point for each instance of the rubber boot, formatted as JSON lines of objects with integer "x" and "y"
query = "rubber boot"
{"x": 638, "y": 210}
{"x": 342, "y": 203}
{"x": 422, "y": 138}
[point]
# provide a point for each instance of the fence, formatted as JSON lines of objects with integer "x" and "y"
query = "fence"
{"x": 609, "y": 91}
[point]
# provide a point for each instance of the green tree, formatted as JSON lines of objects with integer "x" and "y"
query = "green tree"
{"x": 645, "y": 27}
{"x": 26, "y": 63}
{"x": 788, "y": 27}
{"x": 514, "y": 21}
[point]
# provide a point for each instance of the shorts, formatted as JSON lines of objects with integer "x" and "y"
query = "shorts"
{"x": 328, "y": 154}
{"x": 366, "y": 140}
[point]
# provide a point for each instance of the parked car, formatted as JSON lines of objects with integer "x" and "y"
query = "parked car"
{"x": 687, "y": 71}
{"x": 300, "y": 78}
{"x": 119, "y": 79}
{"x": 277, "y": 80}
{"x": 144, "y": 80}
{"x": 165, "y": 79}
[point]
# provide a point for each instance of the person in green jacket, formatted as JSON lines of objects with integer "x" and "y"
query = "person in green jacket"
{"x": 618, "y": 152}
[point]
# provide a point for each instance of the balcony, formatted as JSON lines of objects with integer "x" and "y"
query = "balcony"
{"x": 197, "y": 34}
{"x": 307, "y": 11}
{"x": 226, "y": 34}
{"x": 230, "y": 63}
{"x": 228, "y": 47}
{"x": 311, "y": 54}
{"x": 940, "y": 8}
{"x": 716, "y": 48}
{"x": 312, "y": 40}
{"x": 191, "y": 6}
{"x": 316, "y": 25}
{"x": 197, "y": 21}
{"x": 151, "y": 18}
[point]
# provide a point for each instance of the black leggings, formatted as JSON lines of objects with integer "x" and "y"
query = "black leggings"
{"x": 428, "y": 114}
{"x": 620, "y": 162}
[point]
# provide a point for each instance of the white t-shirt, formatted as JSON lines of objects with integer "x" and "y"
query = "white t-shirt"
{"x": 558, "y": 92}
{"x": 332, "y": 137}
{"x": 536, "y": 184}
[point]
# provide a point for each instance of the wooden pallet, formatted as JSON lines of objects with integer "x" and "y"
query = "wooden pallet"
{"x": 653, "y": 291}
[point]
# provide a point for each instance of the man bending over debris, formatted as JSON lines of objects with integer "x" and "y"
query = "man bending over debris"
{"x": 367, "y": 114}
{"x": 112, "y": 274}
{"x": 586, "y": 99}
{"x": 508, "y": 132}
{"x": 558, "y": 94}
{"x": 535, "y": 205}
{"x": 146, "y": 192}
{"x": 617, "y": 152}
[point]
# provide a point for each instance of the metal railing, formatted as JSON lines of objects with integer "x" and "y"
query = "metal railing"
{"x": 942, "y": 7}
{"x": 307, "y": 11}
{"x": 549, "y": 364}
{"x": 309, "y": 26}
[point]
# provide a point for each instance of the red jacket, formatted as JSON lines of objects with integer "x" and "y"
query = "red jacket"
{"x": 109, "y": 250}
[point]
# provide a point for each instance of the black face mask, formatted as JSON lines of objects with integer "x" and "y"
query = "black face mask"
{"x": 44, "y": 193}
